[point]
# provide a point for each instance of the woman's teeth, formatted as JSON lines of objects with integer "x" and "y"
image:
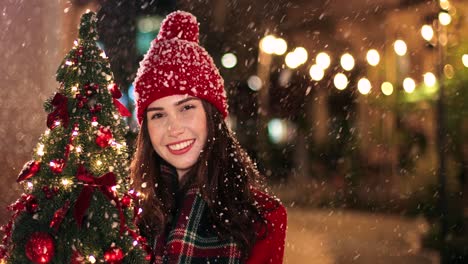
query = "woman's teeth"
{"x": 180, "y": 146}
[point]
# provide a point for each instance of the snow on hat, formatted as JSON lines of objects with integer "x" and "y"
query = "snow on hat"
{"x": 177, "y": 64}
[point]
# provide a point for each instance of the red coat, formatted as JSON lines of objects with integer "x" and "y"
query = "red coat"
{"x": 271, "y": 248}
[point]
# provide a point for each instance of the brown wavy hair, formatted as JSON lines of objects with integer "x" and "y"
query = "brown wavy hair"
{"x": 224, "y": 173}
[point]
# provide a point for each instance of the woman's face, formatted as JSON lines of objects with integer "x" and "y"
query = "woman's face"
{"x": 177, "y": 129}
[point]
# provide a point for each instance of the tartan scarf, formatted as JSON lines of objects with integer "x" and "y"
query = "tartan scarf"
{"x": 190, "y": 237}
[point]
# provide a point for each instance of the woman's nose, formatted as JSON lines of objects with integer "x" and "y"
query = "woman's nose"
{"x": 175, "y": 127}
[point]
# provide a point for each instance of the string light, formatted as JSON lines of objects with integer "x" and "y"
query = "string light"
{"x": 427, "y": 32}
{"x": 387, "y": 88}
{"x": 373, "y": 57}
{"x": 347, "y": 62}
{"x": 444, "y": 18}
{"x": 78, "y": 149}
{"x": 30, "y": 185}
{"x": 465, "y": 60}
{"x": 103, "y": 55}
{"x": 429, "y": 79}
{"x": 316, "y": 72}
{"x": 400, "y": 47}
{"x": 364, "y": 86}
{"x": 68, "y": 63}
{"x": 40, "y": 150}
{"x": 92, "y": 259}
{"x": 323, "y": 60}
{"x": 409, "y": 85}
{"x": 340, "y": 81}
{"x": 66, "y": 182}
{"x": 267, "y": 44}
{"x": 99, "y": 162}
{"x": 280, "y": 46}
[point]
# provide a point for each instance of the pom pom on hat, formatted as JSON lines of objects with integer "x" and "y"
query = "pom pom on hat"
{"x": 181, "y": 25}
{"x": 176, "y": 64}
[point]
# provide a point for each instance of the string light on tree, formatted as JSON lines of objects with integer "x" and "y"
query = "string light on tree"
{"x": 364, "y": 86}
{"x": 409, "y": 85}
{"x": 400, "y": 47}
{"x": 40, "y": 150}
{"x": 341, "y": 81}
{"x": 387, "y": 88}
{"x": 373, "y": 57}
{"x": 92, "y": 259}
{"x": 347, "y": 62}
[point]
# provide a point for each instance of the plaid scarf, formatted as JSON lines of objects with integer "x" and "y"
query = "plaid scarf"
{"x": 190, "y": 237}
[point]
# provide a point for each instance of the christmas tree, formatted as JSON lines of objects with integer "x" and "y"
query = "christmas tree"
{"x": 77, "y": 206}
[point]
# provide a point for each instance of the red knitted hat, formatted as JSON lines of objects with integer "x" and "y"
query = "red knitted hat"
{"x": 177, "y": 64}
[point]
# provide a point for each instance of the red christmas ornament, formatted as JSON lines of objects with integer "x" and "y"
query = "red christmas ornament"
{"x": 31, "y": 203}
{"x": 29, "y": 170}
{"x": 77, "y": 258}
{"x": 56, "y": 165}
{"x": 114, "y": 255}
{"x": 59, "y": 215}
{"x": 96, "y": 108}
{"x": 116, "y": 93}
{"x": 104, "y": 136}
{"x": 40, "y": 248}
{"x": 126, "y": 201}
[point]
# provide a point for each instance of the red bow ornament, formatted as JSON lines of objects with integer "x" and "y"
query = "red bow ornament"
{"x": 60, "y": 103}
{"x": 105, "y": 184}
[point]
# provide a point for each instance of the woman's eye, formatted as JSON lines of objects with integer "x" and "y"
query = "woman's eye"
{"x": 187, "y": 107}
{"x": 157, "y": 116}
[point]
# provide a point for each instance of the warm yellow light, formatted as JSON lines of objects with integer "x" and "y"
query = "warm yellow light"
{"x": 267, "y": 44}
{"x": 340, "y": 81}
{"x": 323, "y": 60}
{"x": 445, "y": 18}
{"x": 301, "y": 54}
{"x": 427, "y": 32}
{"x": 229, "y": 60}
{"x": 429, "y": 79}
{"x": 99, "y": 162}
{"x": 465, "y": 60}
{"x": 280, "y": 46}
{"x": 316, "y": 72}
{"x": 409, "y": 85}
{"x": 449, "y": 71}
{"x": 387, "y": 88}
{"x": 66, "y": 182}
{"x": 103, "y": 55}
{"x": 444, "y": 4}
{"x": 291, "y": 60}
{"x": 364, "y": 86}
{"x": 92, "y": 259}
{"x": 347, "y": 62}
{"x": 94, "y": 123}
{"x": 400, "y": 47}
{"x": 30, "y": 185}
{"x": 40, "y": 150}
{"x": 78, "y": 149}
{"x": 373, "y": 57}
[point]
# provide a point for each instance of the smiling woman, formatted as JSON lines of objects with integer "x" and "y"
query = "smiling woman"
{"x": 177, "y": 129}
{"x": 200, "y": 199}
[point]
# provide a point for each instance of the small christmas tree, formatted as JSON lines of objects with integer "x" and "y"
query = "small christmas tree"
{"x": 77, "y": 207}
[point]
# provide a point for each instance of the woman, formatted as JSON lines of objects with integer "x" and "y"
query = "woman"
{"x": 200, "y": 199}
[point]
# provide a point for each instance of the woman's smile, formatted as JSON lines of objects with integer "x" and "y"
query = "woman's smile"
{"x": 181, "y": 147}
